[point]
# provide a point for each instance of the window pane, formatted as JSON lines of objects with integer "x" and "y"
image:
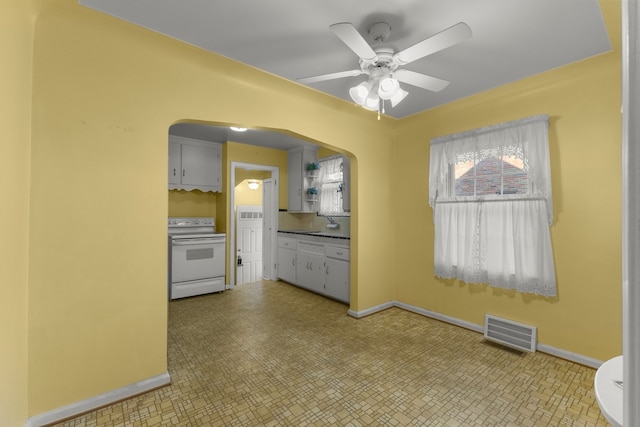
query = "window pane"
{"x": 490, "y": 172}
{"x": 465, "y": 187}
{"x": 488, "y": 184}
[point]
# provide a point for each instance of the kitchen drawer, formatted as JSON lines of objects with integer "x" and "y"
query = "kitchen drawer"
{"x": 287, "y": 243}
{"x": 337, "y": 252}
{"x": 311, "y": 247}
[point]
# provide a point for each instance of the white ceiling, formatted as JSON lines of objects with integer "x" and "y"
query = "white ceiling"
{"x": 512, "y": 39}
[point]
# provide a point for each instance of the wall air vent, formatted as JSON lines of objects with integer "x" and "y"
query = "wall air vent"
{"x": 510, "y": 333}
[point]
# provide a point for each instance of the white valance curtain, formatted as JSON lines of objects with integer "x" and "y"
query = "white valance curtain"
{"x": 502, "y": 240}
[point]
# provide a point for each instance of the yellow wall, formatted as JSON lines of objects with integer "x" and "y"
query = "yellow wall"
{"x": 246, "y": 196}
{"x": 105, "y": 93}
{"x": 192, "y": 203}
{"x": 85, "y": 295}
{"x": 16, "y": 47}
{"x": 583, "y": 101}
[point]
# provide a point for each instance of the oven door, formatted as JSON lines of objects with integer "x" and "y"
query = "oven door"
{"x": 195, "y": 258}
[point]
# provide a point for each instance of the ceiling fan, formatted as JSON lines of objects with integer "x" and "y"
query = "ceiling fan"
{"x": 383, "y": 66}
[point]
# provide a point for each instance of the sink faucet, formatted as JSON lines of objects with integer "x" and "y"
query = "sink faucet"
{"x": 332, "y": 223}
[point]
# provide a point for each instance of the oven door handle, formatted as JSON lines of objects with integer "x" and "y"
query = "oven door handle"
{"x": 190, "y": 242}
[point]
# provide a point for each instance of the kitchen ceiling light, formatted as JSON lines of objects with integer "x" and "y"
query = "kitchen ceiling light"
{"x": 237, "y": 129}
{"x": 253, "y": 185}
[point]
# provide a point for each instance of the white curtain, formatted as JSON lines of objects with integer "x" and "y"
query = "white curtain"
{"x": 501, "y": 240}
{"x": 330, "y": 181}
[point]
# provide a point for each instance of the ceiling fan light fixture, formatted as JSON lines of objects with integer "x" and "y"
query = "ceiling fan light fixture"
{"x": 388, "y": 87}
{"x": 372, "y": 102}
{"x": 360, "y": 92}
{"x": 398, "y": 97}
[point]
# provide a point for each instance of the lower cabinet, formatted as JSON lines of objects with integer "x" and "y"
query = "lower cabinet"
{"x": 310, "y": 272}
{"x": 337, "y": 279}
{"x": 287, "y": 260}
{"x": 319, "y": 267}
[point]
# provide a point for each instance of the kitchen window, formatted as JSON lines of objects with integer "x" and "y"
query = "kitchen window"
{"x": 490, "y": 190}
{"x": 331, "y": 184}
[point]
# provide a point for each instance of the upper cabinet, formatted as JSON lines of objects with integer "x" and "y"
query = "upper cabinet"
{"x": 300, "y": 181}
{"x": 194, "y": 164}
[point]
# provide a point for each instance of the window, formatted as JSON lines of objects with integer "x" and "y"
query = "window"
{"x": 497, "y": 171}
{"x": 330, "y": 181}
{"x": 490, "y": 190}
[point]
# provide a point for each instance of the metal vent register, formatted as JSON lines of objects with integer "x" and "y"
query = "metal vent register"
{"x": 512, "y": 334}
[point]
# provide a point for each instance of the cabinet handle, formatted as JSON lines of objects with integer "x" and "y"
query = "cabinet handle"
{"x": 339, "y": 253}
{"x": 183, "y": 172}
{"x": 327, "y": 269}
{"x": 174, "y": 171}
{"x": 293, "y": 261}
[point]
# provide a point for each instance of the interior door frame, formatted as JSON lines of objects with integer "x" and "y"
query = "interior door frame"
{"x": 630, "y": 212}
{"x": 275, "y": 176}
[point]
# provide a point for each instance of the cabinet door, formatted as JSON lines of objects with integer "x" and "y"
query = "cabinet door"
{"x": 337, "y": 279}
{"x": 295, "y": 181}
{"x": 287, "y": 265}
{"x": 310, "y": 272}
{"x": 198, "y": 165}
{"x": 217, "y": 168}
{"x": 175, "y": 171}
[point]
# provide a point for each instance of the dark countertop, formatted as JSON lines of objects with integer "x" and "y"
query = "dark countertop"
{"x": 331, "y": 234}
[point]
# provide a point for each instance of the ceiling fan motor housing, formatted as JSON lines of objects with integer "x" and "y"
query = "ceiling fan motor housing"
{"x": 380, "y": 32}
{"x": 384, "y": 62}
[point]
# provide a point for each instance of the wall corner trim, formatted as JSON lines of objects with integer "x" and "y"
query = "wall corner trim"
{"x": 557, "y": 352}
{"x": 98, "y": 401}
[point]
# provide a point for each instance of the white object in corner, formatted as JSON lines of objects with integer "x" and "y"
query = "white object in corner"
{"x": 99, "y": 401}
{"x": 609, "y": 390}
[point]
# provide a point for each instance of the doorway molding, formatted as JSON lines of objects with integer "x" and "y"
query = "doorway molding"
{"x": 275, "y": 176}
{"x": 630, "y": 212}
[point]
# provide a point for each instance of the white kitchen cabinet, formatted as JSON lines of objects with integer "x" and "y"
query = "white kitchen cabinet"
{"x": 287, "y": 260}
{"x": 194, "y": 165}
{"x": 315, "y": 263}
{"x": 310, "y": 269}
{"x": 337, "y": 283}
{"x": 298, "y": 181}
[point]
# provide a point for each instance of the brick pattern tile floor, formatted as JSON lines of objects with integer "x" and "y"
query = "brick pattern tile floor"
{"x": 271, "y": 354}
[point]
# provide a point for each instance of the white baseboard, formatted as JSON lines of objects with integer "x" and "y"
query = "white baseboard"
{"x": 368, "y": 311}
{"x": 558, "y": 352}
{"x": 573, "y": 357}
{"x": 99, "y": 401}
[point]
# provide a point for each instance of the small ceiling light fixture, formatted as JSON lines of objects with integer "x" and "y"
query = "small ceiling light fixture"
{"x": 237, "y": 129}
{"x": 253, "y": 185}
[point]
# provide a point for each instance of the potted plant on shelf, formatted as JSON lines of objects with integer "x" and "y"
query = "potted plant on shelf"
{"x": 312, "y": 193}
{"x": 312, "y": 169}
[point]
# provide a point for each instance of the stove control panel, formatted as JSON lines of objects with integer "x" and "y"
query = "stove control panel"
{"x": 192, "y": 222}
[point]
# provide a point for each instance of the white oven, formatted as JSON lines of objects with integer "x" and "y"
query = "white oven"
{"x": 196, "y": 257}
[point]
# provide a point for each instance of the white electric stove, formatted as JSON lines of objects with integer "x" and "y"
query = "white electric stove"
{"x": 196, "y": 257}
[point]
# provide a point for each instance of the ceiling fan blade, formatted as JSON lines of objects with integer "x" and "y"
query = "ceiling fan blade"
{"x": 354, "y": 40}
{"x": 330, "y": 76}
{"x": 423, "y": 81}
{"x": 442, "y": 40}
